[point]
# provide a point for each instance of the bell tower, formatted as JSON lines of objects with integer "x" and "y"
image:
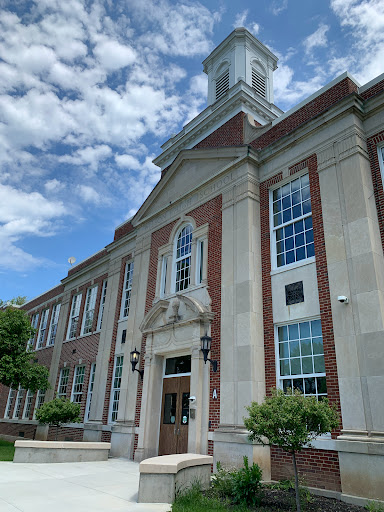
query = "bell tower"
{"x": 240, "y": 57}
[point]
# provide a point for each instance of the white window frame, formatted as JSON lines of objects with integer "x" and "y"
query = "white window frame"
{"x": 380, "y": 154}
{"x": 279, "y": 377}
{"x": 163, "y": 277}
{"x": 40, "y": 398}
{"x": 184, "y": 257}
{"x": 102, "y": 305}
{"x": 90, "y": 391}
{"x": 78, "y": 384}
{"x": 19, "y": 399}
{"x": 89, "y": 310}
{"x": 51, "y": 338}
{"x": 74, "y": 315}
{"x": 34, "y": 322}
{"x": 10, "y": 400}
{"x": 116, "y": 388}
{"x": 273, "y": 229}
{"x": 28, "y": 405}
{"x": 64, "y": 374}
{"x": 42, "y": 328}
{"x": 127, "y": 290}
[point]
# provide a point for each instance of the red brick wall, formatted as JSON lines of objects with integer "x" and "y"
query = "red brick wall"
{"x": 229, "y": 134}
{"x": 43, "y": 298}
{"x": 210, "y": 213}
{"x": 322, "y": 279}
{"x": 372, "y": 91}
{"x": 87, "y": 262}
{"x": 318, "y": 468}
{"x": 377, "y": 181}
{"x": 158, "y": 239}
{"x": 305, "y": 113}
{"x": 123, "y": 230}
{"x": 113, "y": 341}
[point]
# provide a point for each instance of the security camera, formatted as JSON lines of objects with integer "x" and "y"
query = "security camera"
{"x": 343, "y": 299}
{"x": 192, "y": 399}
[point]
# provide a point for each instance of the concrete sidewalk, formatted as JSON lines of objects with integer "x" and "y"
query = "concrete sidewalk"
{"x": 73, "y": 487}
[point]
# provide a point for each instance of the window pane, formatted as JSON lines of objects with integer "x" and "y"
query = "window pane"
{"x": 305, "y": 331}
{"x": 293, "y": 332}
{"x": 319, "y": 364}
{"x": 295, "y": 366}
{"x": 283, "y": 333}
{"x": 298, "y": 384}
{"x": 283, "y": 350}
{"x": 310, "y": 386}
{"x": 287, "y": 384}
{"x": 170, "y": 408}
{"x": 294, "y": 349}
{"x": 306, "y": 349}
{"x": 316, "y": 328}
{"x": 317, "y": 344}
{"x": 284, "y": 367}
{"x": 307, "y": 365}
{"x": 321, "y": 385}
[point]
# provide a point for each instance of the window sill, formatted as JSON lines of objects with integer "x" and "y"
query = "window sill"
{"x": 171, "y": 295}
{"x": 292, "y": 266}
{"x": 81, "y": 336}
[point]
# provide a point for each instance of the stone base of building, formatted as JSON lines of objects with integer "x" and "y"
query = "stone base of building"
{"x": 231, "y": 445}
{"x": 362, "y": 464}
{"x": 122, "y": 440}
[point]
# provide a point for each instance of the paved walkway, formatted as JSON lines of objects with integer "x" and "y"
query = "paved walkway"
{"x": 73, "y": 487}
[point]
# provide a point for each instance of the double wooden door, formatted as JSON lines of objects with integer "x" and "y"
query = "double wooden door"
{"x": 174, "y": 416}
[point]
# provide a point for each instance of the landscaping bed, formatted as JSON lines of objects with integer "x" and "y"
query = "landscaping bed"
{"x": 7, "y": 450}
{"x": 272, "y": 500}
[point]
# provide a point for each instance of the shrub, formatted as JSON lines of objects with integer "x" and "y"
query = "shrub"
{"x": 58, "y": 412}
{"x": 247, "y": 484}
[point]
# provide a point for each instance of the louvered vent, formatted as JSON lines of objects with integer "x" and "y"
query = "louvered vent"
{"x": 222, "y": 85}
{"x": 258, "y": 83}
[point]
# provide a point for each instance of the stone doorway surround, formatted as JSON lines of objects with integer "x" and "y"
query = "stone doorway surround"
{"x": 173, "y": 327}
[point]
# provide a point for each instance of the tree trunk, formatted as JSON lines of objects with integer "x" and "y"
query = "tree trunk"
{"x": 298, "y": 506}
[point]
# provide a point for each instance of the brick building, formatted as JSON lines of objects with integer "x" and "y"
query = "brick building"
{"x": 266, "y": 232}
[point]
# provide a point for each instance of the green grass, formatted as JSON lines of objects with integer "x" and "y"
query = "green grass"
{"x": 7, "y": 450}
{"x": 194, "y": 501}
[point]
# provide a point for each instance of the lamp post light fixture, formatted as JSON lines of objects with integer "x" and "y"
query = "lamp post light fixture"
{"x": 135, "y": 354}
{"x": 205, "y": 348}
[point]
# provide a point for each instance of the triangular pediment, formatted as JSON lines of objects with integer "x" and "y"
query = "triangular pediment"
{"x": 191, "y": 169}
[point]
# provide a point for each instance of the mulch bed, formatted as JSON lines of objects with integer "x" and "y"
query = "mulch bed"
{"x": 277, "y": 500}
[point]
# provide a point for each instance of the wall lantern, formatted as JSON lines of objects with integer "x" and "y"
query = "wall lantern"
{"x": 135, "y": 354}
{"x": 205, "y": 348}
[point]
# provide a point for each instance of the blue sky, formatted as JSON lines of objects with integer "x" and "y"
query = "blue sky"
{"x": 89, "y": 90}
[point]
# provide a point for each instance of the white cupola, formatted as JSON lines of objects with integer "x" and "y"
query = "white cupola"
{"x": 240, "y": 57}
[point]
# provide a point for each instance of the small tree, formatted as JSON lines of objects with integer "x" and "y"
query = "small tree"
{"x": 291, "y": 422}
{"x": 57, "y": 412}
{"x": 16, "y": 363}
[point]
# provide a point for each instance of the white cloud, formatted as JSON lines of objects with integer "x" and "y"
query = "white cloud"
{"x": 52, "y": 186}
{"x": 113, "y": 55}
{"x": 364, "y": 21}
{"x": 81, "y": 82}
{"x": 25, "y": 214}
{"x": 88, "y": 156}
{"x": 241, "y": 21}
{"x": 89, "y": 194}
{"x": 317, "y": 39}
{"x": 278, "y": 6}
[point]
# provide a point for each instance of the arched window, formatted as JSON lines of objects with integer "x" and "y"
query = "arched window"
{"x": 183, "y": 258}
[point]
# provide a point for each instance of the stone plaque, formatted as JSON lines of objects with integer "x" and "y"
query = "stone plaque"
{"x": 294, "y": 293}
